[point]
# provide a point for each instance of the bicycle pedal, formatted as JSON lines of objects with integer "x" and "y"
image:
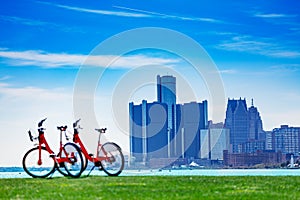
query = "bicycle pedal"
{"x": 97, "y": 164}
{"x": 91, "y": 155}
{"x": 52, "y": 155}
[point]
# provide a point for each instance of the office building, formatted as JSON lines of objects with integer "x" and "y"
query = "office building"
{"x": 237, "y": 122}
{"x": 287, "y": 139}
{"x": 166, "y": 93}
{"x": 164, "y": 129}
{"x": 246, "y": 127}
{"x": 214, "y": 141}
{"x": 255, "y": 124}
{"x": 190, "y": 118}
{"x": 267, "y": 158}
{"x": 148, "y": 131}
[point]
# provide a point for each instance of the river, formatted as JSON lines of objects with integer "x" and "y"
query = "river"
{"x": 194, "y": 172}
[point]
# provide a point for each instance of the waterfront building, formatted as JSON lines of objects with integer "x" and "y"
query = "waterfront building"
{"x": 255, "y": 124}
{"x": 166, "y": 93}
{"x": 287, "y": 139}
{"x": 190, "y": 118}
{"x": 237, "y": 121}
{"x": 166, "y": 130}
{"x": 214, "y": 140}
{"x": 253, "y": 145}
{"x": 148, "y": 131}
{"x": 269, "y": 140}
{"x": 246, "y": 127}
{"x": 267, "y": 158}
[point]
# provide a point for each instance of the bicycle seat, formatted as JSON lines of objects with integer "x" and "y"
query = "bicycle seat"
{"x": 101, "y": 130}
{"x": 62, "y": 128}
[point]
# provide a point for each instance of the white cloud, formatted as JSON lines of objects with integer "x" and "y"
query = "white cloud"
{"x": 161, "y": 15}
{"x": 273, "y": 15}
{"x": 137, "y": 13}
{"x": 55, "y": 60}
{"x": 103, "y": 12}
{"x": 261, "y": 46}
{"x": 5, "y": 78}
{"x": 24, "y": 21}
{"x": 41, "y": 24}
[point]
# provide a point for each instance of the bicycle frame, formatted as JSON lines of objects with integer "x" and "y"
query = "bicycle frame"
{"x": 109, "y": 156}
{"x": 43, "y": 141}
{"x": 96, "y": 160}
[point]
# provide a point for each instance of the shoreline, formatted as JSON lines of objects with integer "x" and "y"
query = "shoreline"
{"x": 187, "y": 172}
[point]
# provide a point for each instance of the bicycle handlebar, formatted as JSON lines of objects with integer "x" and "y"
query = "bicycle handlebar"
{"x": 75, "y": 123}
{"x": 41, "y": 122}
{"x": 30, "y": 136}
{"x": 101, "y": 130}
{"x": 62, "y": 128}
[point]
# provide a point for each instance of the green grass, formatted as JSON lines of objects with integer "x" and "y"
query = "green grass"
{"x": 153, "y": 187}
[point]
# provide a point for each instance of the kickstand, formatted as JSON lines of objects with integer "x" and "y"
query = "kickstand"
{"x": 51, "y": 175}
{"x": 91, "y": 170}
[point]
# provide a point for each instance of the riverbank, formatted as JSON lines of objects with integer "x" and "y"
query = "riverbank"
{"x": 188, "y": 172}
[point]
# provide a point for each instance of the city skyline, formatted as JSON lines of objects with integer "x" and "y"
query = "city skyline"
{"x": 164, "y": 134}
{"x": 165, "y": 129}
{"x": 43, "y": 44}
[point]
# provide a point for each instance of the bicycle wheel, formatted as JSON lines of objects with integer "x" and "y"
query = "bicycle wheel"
{"x": 75, "y": 165}
{"x": 113, "y": 159}
{"x": 61, "y": 166}
{"x": 36, "y": 169}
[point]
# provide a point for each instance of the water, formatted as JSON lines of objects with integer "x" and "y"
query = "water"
{"x": 194, "y": 172}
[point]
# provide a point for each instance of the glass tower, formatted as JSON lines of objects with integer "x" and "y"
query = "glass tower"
{"x": 166, "y": 93}
{"x": 237, "y": 121}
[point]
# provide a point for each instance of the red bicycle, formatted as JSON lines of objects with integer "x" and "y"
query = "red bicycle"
{"x": 109, "y": 157}
{"x": 40, "y": 161}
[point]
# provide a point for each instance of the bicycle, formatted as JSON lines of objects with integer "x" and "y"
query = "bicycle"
{"x": 109, "y": 157}
{"x": 40, "y": 161}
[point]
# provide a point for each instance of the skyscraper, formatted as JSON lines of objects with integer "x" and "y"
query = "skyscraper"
{"x": 164, "y": 129}
{"x": 148, "y": 131}
{"x": 237, "y": 121}
{"x": 255, "y": 124}
{"x": 214, "y": 140}
{"x": 166, "y": 93}
{"x": 190, "y": 118}
{"x": 246, "y": 128}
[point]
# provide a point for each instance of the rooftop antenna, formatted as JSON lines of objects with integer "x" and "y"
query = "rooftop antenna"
{"x": 252, "y": 102}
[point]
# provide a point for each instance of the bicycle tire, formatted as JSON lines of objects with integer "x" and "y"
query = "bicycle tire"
{"x": 61, "y": 167}
{"x": 75, "y": 168}
{"x": 86, "y": 161}
{"x": 113, "y": 164}
{"x": 31, "y": 166}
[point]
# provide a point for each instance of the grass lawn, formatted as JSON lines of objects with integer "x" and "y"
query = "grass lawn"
{"x": 153, "y": 187}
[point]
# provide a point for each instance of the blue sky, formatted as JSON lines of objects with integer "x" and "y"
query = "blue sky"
{"x": 254, "y": 44}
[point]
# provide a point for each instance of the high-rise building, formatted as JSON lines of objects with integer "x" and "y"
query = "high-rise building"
{"x": 148, "y": 131}
{"x": 214, "y": 141}
{"x": 166, "y": 93}
{"x": 237, "y": 122}
{"x": 255, "y": 124}
{"x": 287, "y": 139}
{"x": 269, "y": 140}
{"x": 164, "y": 129}
{"x": 190, "y": 118}
{"x": 246, "y": 127}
